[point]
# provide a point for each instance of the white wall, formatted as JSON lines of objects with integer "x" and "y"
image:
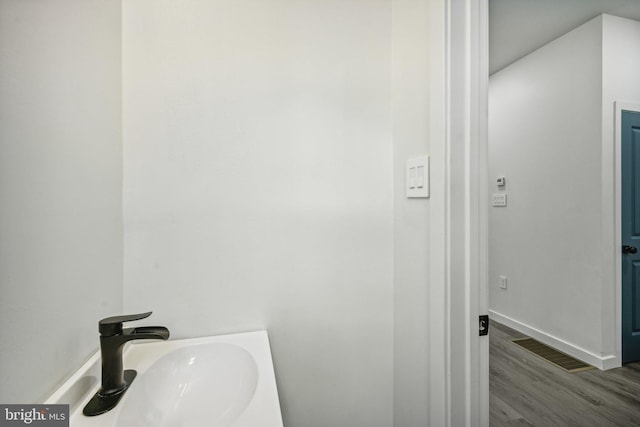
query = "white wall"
{"x": 258, "y": 188}
{"x": 620, "y": 63}
{"x": 411, "y": 216}
{"x": 60, "y": 187}
{"x": 552, "y": 134}
{"x": 545, "y": 136}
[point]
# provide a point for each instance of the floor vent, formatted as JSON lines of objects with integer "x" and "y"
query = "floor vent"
{"x": 568, "y": 363}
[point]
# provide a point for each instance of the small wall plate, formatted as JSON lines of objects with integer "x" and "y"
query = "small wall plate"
{"x": 417, "y": 177}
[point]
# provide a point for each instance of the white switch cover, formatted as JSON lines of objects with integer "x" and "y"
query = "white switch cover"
{"x": 503, "y": 282}
{"x": 499, "y": 199}
{"x": 417, "y": 177}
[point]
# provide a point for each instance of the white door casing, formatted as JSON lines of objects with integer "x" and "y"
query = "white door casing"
{"x": 458, "y": 87}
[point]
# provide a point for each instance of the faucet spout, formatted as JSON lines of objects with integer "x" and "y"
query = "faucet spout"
{"x": 147, "y": 333}
{"x": 115, "y": 380}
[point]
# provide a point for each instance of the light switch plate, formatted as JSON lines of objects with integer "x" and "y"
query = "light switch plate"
{"x": 499, "y": 199}
{"x": 417, "y": 177}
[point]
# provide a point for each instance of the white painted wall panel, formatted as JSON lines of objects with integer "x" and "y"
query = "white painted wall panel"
{"x": 411, "y": 236}
{"x": 60, "y": 188}
{"x": 258, "y": 188}
{"x": 545, "y": 137}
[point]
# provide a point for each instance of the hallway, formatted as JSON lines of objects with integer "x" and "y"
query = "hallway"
{"x": 527, "y": 391}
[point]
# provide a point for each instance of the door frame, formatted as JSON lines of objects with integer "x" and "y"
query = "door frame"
{"x": 619, "y": 106}
{"x": 458, "y": 221}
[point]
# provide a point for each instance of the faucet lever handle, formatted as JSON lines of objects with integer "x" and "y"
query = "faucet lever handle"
{"x": 113, "y": 325}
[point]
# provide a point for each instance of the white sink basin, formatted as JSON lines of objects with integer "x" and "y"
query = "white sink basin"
{"x": 210, "y": 382}
{"x": 171, "y": 391}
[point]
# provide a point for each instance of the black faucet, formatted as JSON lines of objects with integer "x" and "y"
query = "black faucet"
{"x": 115, "y": 380}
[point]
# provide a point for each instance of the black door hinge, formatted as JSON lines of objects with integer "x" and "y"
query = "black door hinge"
{"x": 484, "y": 325}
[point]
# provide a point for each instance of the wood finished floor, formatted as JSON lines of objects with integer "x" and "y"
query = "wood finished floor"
{"x": 528, "y": 391}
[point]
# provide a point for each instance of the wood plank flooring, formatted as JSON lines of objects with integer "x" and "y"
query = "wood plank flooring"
{"x": 528, "y": 391}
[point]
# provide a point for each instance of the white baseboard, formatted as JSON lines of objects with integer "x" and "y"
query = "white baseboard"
{"x": 600, "y": 362}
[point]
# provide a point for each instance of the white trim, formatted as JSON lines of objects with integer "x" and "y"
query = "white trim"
{"x": 458, "y": 84}
{"x": 458, "y": 88}
{"x": 617, "y": 210}
{"x": 479, "y": 126}
{"x": 600, "y": 362}
{"x": 439, "y": 329}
